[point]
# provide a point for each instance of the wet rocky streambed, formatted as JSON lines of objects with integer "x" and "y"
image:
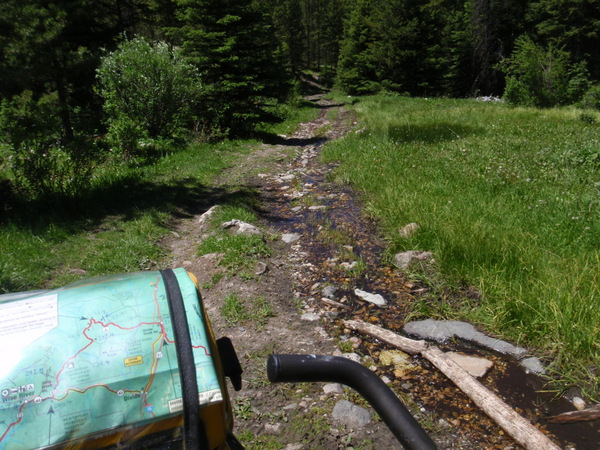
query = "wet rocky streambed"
{"x": 334, "y": 250}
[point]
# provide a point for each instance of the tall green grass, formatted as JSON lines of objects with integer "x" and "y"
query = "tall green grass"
{"x": 508, "y": 199}
{"x": 116, "y": 226}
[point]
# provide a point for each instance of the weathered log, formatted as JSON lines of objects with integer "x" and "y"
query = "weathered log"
{"x": 588, "y": 414}
{"x": 389, "y": 337}
{"x": 512, "y": 423}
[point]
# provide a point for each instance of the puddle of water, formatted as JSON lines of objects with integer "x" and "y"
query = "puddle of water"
{"x": 525, "y": 391}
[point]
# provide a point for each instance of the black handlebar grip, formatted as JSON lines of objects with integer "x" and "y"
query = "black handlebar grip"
{"x": 316, "y": 368}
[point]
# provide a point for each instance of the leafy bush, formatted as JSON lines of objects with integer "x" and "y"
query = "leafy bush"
{"x": 543, "y": 78}
{"x": 150, "y": 91}
{"x": 44, "y": 164}
{"x": 591, "y": 99}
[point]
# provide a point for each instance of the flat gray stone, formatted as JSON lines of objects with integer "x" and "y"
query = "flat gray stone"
{"x": 443, "y": 330}
{"x": 350, "y": 414}
{"x": 273, "y": 428}
{"x": 260, "y": 268}
{"x": 329, "y": 291}
{"x": 288, "y": 177}
{"x": 333, "y": 388}
{"x": 310, "y": 317}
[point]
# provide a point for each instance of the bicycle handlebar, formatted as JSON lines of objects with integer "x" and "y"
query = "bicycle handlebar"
{"x": 315, "y": 368}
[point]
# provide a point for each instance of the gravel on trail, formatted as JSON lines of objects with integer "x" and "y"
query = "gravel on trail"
{"x": 326, "y": 255}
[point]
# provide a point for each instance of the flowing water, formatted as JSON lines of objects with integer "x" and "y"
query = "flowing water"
{"x": 340, "y": 247}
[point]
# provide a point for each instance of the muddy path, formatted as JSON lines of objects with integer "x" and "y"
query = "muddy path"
{"x": 330, "y": 249}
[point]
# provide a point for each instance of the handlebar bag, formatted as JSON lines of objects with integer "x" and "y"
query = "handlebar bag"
{"x": 99, "y": 363}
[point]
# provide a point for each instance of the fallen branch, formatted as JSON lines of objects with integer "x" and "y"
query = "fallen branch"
{"x": 591, "y": 413}
{"x": 336, "y": 304}
{"x": 516, "y": 426}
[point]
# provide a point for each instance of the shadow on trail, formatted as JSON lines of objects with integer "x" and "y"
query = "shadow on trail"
{"x": 274, "y": 139}
{"x": 127, "y": 198}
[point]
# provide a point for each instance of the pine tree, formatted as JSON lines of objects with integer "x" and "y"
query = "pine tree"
{"x": 357, "y": 73}
{"x": 571, "y": 25}
{"x": 287, "y": 15}
{"x": 54, "y": 46}
{"x": 233, "y": 44}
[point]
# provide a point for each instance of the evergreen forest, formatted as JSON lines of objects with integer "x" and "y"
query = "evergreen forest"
{"x": 82, "y": 78}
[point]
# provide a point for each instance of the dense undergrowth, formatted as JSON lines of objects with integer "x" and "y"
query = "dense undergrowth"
{"x": 508, "y": 199}
{"x": 116, "y": 225}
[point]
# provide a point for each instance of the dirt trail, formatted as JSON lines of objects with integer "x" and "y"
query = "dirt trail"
{"x": 339, "y": 247}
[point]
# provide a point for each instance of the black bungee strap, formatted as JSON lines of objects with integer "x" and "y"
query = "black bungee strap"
{"x": 194, "y": 432}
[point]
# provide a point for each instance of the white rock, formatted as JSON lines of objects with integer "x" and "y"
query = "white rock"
{"x": 579, "y": 403}
{"x": 273, "y": 428}
{"x": 376, "y": 299}
{"x": 475, "y": 366}
{"x": 409, "y": 230}
{"x": 241, "y": 227}
{"x": 310, "y": 317}
{"x": 294, "y": 447}
{"x": 405, "y": 259}
{"x": 352, "y": 357}
{"x": 290, "y": 238}
{"x": 333, "y": 388}
{"x": 207, "y": 215}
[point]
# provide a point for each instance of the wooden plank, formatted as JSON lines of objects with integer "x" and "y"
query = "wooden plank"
{"x": 516, "y": 426}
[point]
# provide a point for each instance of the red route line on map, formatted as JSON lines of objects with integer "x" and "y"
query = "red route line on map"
{"x": 84, "y": 390}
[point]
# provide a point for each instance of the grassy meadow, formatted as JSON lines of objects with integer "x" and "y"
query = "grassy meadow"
{"x": 508, "y": 200}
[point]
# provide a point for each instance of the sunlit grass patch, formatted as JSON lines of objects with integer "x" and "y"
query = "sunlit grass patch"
{"x": 507, "y": 199}
{"x": 236, "y": 310}
{"x": 240, "y": 252}
{"x": 115, "y": 227}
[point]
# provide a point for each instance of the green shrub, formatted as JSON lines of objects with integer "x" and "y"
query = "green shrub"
{"x": 44, "y": 164}
{"x": 149, "y": 90}
{"x": 543, "y": 78}
{"x": 591, "y": 99}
